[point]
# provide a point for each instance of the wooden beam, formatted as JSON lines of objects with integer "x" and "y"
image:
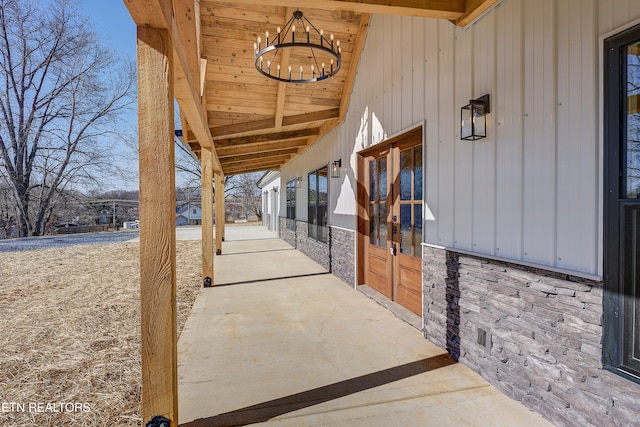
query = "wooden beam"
{"x": 474, "y": 9}
{"x": 261, "y": 147}
{"x": 353, "y": 67}
{"x": 282, "y": 86}
{"x": 265, "y": 137}
{"x": 242, "y": 127}
{"x": 220, "y": 213}
{"x": 256, "y": 160}
{"x": 239, "y": 171}
{"x": 159, "y": 14}
{"x": 207, "y": 215}
{"x": 443, "y": 9}
{"x": 316, "y": 116}
{"x": 158, "y": 220}
{"x": 228, "y": 158}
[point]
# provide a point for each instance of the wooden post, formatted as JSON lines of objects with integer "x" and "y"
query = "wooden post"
{"x": 157, "y": 225}
{"x": 220, "y": 216}
{"x": 207, "y": 216}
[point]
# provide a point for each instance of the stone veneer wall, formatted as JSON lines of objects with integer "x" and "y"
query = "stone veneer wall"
{"x": 545, "y": 332}
{"x": 337, "y": 255}
{"x": 317, "y": 251}
{"x": 342, "y": 251}
{"x": 285, "y": 234}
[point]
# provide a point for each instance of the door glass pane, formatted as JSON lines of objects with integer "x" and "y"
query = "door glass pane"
{"x": 417, "y": 238}
{"x": 313, "y": 188}
{"x": 382, "y": 178}
{"x": 405, "y": 229}
{"x": 631, "y": 342}
{"x": 633, "y": 123}
{"x": 372, "y": 180}
{"x": 322, "y": 186}
{"x": 382, "y": 224}
{"x": 373, "y": 224}
{"x": 417, "y": 173}
{"x": 405, "y": 175}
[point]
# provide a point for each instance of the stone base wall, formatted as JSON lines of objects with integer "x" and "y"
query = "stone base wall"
{"x": 317, "y": 251}
{"x": 342, "y": 251}
{"x": 543, "y": 336}
{"x": 337, "y": 255}
{"x": 285, "y": 234}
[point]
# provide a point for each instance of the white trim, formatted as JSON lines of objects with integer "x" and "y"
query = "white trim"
{"x": 479, "y": 17}
{"x": 518, "y": 262}
{"x": 342, "y": 228}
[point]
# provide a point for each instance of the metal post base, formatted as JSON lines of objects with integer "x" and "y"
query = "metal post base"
{"x": 207, "y": 282}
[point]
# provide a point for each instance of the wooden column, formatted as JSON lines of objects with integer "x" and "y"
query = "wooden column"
{"x": 157, "y": 225}
{"x": 220, "y": 217}
{"x": 207, "y": 216}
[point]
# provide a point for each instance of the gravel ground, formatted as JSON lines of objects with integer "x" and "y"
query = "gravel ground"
{"x": 65, "y": 240}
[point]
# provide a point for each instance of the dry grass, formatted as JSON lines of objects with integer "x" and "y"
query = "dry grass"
{"x": 71, "y": 331}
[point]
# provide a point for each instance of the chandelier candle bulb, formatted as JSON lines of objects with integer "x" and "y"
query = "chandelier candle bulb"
{"x": 289, "y": 72}
{"x": 321, "y": 37}
{"x": 301, "y": 72}
{"x": 312, "y": 71}
{"x": 323, "y": 69}
{"x": 293, "y": 34}
{"x": 278, "y": 35}
{"x": 266, "y": 40}
{"x": 259, "y": 40}
{"x": 308, "y": 34}
{"x": 278, "y": 70}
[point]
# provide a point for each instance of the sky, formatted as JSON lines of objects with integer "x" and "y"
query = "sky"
{"x": 113, "y": 22}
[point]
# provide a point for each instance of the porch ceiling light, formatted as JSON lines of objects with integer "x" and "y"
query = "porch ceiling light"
{"x": 299, "y": 182}
{"x": 313, "y": 57}
{"x": 335, "y": 168}
{"x": 473, "y": 119}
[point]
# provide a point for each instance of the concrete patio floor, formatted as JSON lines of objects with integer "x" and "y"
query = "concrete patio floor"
{"x": 281, "y": 341}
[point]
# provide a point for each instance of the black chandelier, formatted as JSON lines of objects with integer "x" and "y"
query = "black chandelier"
{"x": 322, "y": 57}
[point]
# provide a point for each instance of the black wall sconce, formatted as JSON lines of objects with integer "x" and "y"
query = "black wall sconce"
{"x": 473, "y": 119}
{"x": 298, "y": 182}
{"x": 335, "y": 168}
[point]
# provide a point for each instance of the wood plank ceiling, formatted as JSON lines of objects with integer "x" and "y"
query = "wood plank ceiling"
{"x": 257, "y": 123}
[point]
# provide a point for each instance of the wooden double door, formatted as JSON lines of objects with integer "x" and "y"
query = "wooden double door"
{"x": 391, "y": 206}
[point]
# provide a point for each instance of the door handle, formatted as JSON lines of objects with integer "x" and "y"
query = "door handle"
{"x": 393, "y": 250}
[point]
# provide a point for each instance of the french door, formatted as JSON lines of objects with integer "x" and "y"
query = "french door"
{"x": 622, "y": 203}
{"x": 392, "y": 247}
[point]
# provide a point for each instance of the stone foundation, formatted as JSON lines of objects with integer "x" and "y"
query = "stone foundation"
{"x": 342, "y": 252}
{"x": 543, "y": 336}
{"x": 337, "y": 255}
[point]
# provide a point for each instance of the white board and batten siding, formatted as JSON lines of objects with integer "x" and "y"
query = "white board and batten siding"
{"x": 531, "y": 191}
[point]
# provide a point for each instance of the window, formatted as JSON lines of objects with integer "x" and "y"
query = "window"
{"x": 318, "y": 200}
{"x": 291, "y": 204}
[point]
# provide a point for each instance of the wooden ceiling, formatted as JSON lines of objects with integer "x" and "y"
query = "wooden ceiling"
{"x": 253, "y": 123}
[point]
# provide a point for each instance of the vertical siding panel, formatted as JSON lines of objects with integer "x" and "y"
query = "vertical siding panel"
{"x": 577, "y": 209}
{"x": 418, "y": 69}
{"x": 407, "y": 65}
{"x": 387, "y": 75}
{"x": 395, "y": 33}
{"x": 376, "y": 83}
{"x": 440, "y": 97}
{"x": 539, "y": 146}
{"x": 507, "y": 111}
{"x": 463, "y": 187}
{"x": 484, "y": 150}
{"x": 435, "y": 163}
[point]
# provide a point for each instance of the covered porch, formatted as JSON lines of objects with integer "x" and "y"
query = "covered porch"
{"x": 281, "y": 340}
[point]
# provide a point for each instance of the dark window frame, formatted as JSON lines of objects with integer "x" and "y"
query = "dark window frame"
{"x": 318, "y": 209}
{"x": 291, "y": 204}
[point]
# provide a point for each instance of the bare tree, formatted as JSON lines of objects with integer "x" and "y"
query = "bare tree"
{"x": 60, "y": 93}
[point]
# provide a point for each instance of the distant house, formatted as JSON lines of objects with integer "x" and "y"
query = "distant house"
{"x": 189, "y": 215}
